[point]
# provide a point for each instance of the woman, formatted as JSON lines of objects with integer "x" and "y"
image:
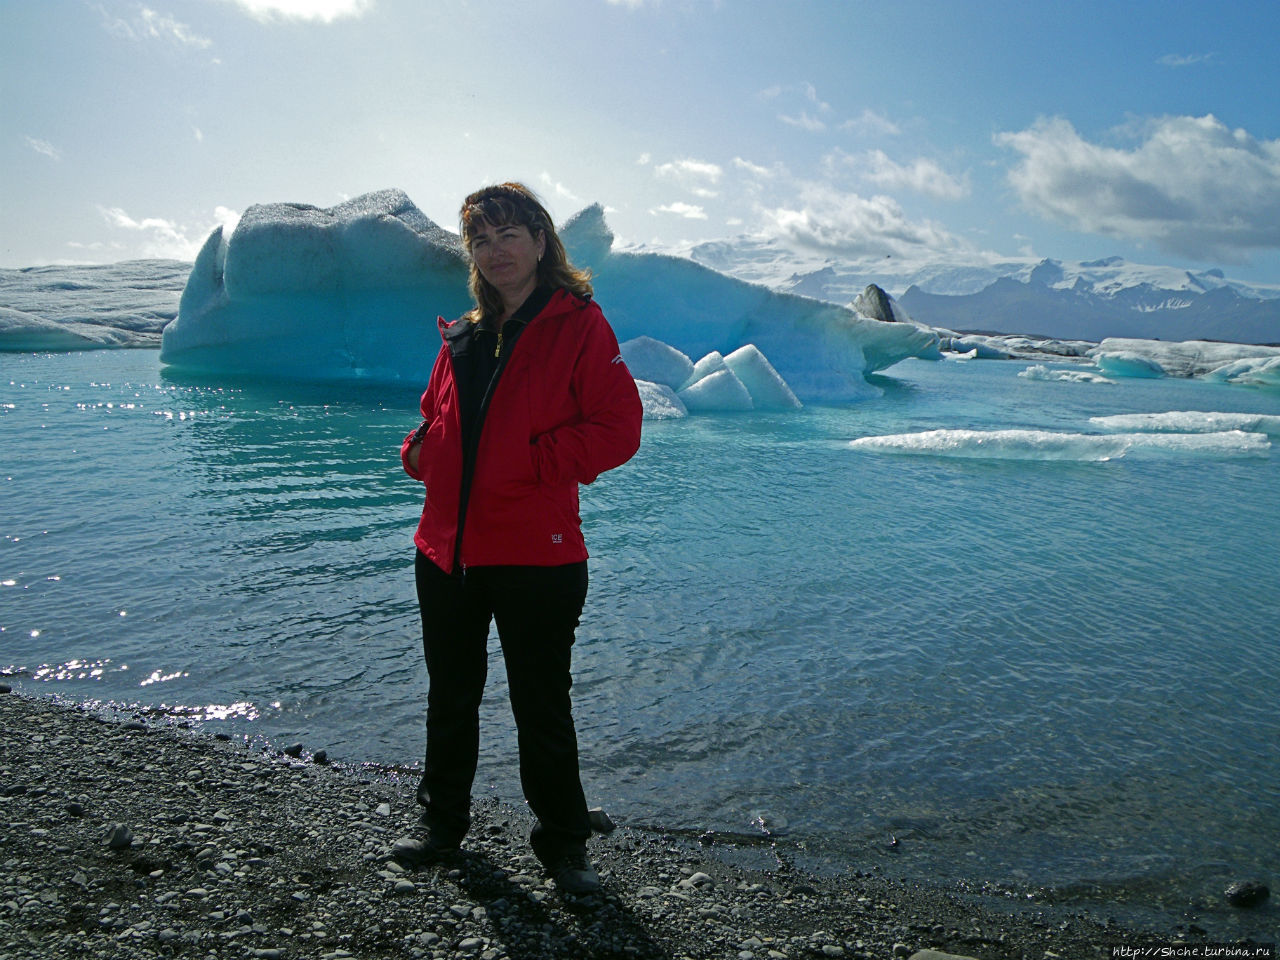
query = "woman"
{"x": 529, "y": 397}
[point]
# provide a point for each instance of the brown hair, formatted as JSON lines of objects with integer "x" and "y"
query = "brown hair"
{"x": 515, "y": 203}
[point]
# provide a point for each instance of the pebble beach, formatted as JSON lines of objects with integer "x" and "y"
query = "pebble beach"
{"x": 126, "y": 838}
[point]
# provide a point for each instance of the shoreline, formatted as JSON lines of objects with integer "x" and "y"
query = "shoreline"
{"x": 126, "y": 839}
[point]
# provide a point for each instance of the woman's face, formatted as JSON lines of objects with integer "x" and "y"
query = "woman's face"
{"x": 507, "y": 257}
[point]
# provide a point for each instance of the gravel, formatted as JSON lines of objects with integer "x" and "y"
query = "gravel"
{"x": 120, "y": 838}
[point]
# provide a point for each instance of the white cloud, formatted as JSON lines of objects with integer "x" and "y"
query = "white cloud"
{"x": 324, "y": 11}
{"x": 871, "y": 123}
{"x": 155, "y": 237}
{"x": 1192, "y": 187}
{"x": 43, "y": 147}
{"x": 803, "y": 121}
{"x": 688, "y": 170}
{"x": 696, "y": 176}
{"x": 763, "y": 173}
{"x": 558, "y": 188}
{"x": 687, "y": 210}
{"x": 148, "y": 24}
{"x": 920, "y": 175}
{"x": 1184, "y": 60}
{"x": 644, "y": 159}
{"x": 849, "y": 224}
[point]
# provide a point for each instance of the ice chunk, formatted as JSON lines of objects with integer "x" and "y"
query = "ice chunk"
{"x": 1254, "y": 371}
{"x": 1051, "y": 445}
{"x": 720, "y": 390}
{"x": 657, "y": 362}
{"x": 660, "y": 401}
{"x": 1127, "y": 363}
{"x": 1190, "y": 421}
{"x": 1040, "y": 372}
{"x": 713, "y": 362}
{"x": 768, "y": 390}
{"x": 1189, "y": 358}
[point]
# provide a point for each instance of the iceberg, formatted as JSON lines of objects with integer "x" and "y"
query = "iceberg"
{"x": 297, "y": 292}
{"x": 351, "y": 292}
{"x": 1189, "y": 358}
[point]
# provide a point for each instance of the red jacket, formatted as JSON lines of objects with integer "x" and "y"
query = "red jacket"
{"x": 565, "y": 410}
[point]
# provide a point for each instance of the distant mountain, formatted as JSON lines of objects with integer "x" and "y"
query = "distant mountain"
{"x": 1087, "y": 300}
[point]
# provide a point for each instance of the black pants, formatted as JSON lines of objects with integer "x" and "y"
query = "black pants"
{"x": 537, "y": 611}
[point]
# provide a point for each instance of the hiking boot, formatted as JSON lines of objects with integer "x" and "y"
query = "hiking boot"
{"x": 438, "y": 842}
{"x": 574, "y": 874}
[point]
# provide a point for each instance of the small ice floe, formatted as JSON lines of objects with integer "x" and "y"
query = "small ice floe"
{"x": 1052, "y": 445}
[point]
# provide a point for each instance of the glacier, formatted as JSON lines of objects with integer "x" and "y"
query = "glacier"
{"x": 351, "y": 293}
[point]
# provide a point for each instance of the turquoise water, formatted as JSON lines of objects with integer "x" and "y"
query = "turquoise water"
{"x": 1029, "y": 670}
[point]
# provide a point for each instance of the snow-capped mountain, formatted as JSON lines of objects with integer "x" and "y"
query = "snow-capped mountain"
{"x": 1082, "y": 300}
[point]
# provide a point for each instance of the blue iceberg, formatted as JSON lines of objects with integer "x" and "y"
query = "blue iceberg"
{"x": 351, "y": 293}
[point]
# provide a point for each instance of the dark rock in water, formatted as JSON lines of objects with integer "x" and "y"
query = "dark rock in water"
{"x": 293, "y": 750}
{"x": 5, "y": 688}
{"x": 1247, "y": 893}
{"x": 224, "y": 737}
{"x": 321, "y": 757}
{"x": 119, "y": 837}
{"x": 136, "y": 725}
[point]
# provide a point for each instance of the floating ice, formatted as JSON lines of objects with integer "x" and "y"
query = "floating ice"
{"x": 1051, "y": 445}
{"x": 352, "y": 292}
{"x": 26, "y": 333}
{"x": 1040, "y": 372}
{"x": 1128, "y": 363}
{"x": 88, "y": 306}
{"x": 712, "y": 363}
{"x": 297, "y": 292}
{"x": 768, "y": 390}
{"x": 1190, "y": 358}
{"x": 1252, "y": 371}
{"x": 1190, "y": 421}
{"x": 657, "y": 362}
{"x": 660, "y": 401}
{"x": 718, "y": 390}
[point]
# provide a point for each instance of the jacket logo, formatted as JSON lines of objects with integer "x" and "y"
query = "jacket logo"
{"x": 617, "y": 359}
{"x": 557, "y": 538}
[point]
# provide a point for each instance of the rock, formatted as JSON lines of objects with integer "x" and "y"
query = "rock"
{"x": 119, "y": 837}
{"x": 875, "y": 303}
{"x": 321, "y": 757}
{"x": 1247, "y": 893}
{"x": 5, "y": 688}
{"x": 600, "y": 821}
{"x": 937, "y": 955}
{"x": 293, "y": 750}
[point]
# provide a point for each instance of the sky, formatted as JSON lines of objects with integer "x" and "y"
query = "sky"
{"x": 930, "y": 130}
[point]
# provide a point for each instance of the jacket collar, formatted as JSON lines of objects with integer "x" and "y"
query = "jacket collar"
{"x": 544, "y": 301}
